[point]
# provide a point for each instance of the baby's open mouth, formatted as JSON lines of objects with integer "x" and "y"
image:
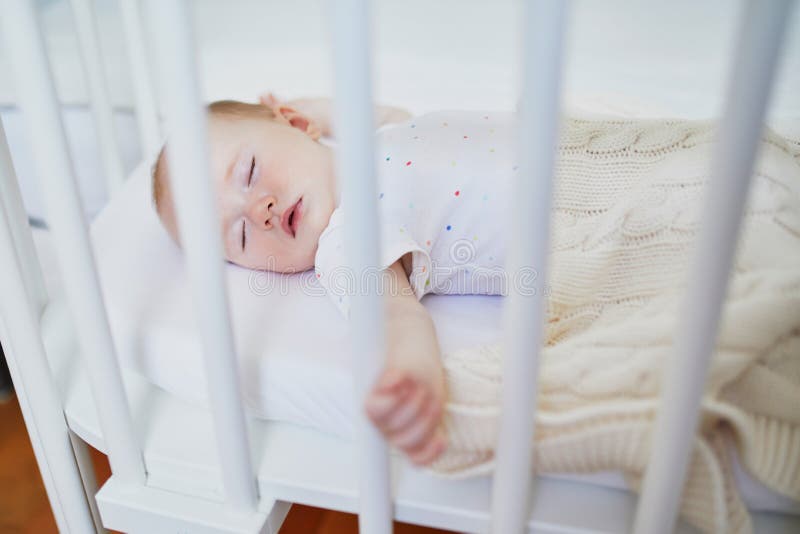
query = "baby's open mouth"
{"x": 290, "y": 219}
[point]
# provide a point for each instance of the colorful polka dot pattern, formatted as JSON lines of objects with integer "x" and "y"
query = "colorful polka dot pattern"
{"x": 436, "y": 187}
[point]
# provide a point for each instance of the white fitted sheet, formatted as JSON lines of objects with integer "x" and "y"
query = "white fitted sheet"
{"x": 292, "y": 342}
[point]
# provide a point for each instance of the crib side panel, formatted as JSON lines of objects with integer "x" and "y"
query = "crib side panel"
{"x": 198, "y": 221}
{"x": 36, "y": 390}
{"x": 37, "y": 99}
{"x": 354, "y": 125}
{"x": 731, "y": 168}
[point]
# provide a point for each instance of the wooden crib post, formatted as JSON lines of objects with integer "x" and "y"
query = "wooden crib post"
{"x": 102, "y": 110}
{"x": 355, "y": 130}
{"x": 538, "y": 118}
{"x": 731, "y": 166}
{"x": 201, "y": 237}
{"x": 37, "y": 98}
{"x": 146, "y": 107}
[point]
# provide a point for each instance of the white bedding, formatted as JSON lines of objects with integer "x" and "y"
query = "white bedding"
{"x": 292, "y": 342}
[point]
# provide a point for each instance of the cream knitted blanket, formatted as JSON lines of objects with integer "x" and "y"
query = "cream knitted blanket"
{"x": 626, "y": 212}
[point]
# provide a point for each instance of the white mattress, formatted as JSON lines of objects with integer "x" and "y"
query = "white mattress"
{"x": 291, "y": 340}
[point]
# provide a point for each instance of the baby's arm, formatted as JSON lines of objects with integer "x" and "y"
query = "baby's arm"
{"x": 407, "y": 402}
{"x": 320, "y": 111}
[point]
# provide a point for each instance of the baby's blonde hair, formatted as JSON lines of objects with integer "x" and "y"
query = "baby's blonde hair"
{"x": 226, "y": 109}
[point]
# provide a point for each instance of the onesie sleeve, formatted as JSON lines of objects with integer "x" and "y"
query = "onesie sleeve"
{"x": 338, "y": 279}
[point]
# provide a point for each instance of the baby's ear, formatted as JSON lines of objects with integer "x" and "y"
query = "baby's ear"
{"x": 298, "y": 120}
{"x": 269, "y": 100}
{"x": 289, "y": 115}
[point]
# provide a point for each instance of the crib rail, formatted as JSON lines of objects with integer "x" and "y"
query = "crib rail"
{"x": 146, "y": 108}
{"x": 731, "y": 168}
{"x": 202, "y": 243}
{"x": 36, "y": 390}
{"x": 354, "y": 128}
{"x": 102, "y": 111}
{"x": 37, "y": 99}
{"x": 24, "y": 297}
{"x": 17, "y": 221}
{"x": 538, "y": 117}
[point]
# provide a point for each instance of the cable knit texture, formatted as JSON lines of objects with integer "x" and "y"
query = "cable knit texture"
{"x": 627, "y": 209}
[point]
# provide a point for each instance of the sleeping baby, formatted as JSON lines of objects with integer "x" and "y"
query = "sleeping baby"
{"x": 626, "y": 212}
{"x": 280, "y": 211}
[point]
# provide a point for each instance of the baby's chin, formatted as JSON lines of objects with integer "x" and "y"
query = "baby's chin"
{"x": 276, "y": 265}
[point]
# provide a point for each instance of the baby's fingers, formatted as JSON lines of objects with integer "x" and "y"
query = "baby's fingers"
{"x": 381, "y": 407}
{"x": 419, "y": 430}
{"x": 431, "y": 450}
{"x": 413, "y": 408}
{"x": 393, "y": 380}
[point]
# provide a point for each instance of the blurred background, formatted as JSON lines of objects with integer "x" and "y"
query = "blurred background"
{"x": 665, "y": 59}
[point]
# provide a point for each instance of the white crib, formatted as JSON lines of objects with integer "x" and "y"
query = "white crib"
{"x": 72, "y": 390}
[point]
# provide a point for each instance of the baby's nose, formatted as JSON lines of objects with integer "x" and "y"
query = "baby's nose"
{"x": 263, "y": 210}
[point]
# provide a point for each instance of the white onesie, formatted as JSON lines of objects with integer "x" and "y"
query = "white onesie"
{"x": 443, "y": 191}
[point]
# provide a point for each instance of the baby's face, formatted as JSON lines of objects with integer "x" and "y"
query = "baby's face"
{"x": 275, "y": 192}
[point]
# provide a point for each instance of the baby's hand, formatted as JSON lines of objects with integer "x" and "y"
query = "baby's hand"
{"x": 407, "y": 409}
{"x": 408, "y": 399}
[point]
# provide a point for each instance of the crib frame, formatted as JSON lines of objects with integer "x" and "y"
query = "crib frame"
{"x": 146, "y": 492}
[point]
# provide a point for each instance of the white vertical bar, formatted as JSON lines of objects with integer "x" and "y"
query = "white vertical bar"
{"x": 731, "y": 167}
{"x": 37, "y": 100}
{"x": 83, "y": 460}
{"x": 102, "y": 111}
{"x": 201, "y": 236}
{"x": 20, "y": 229}
{"x": 38, "y": 393}
{"x": 146, "y": 112}
{"x": 538, "y": 117}
{"x": 355, "y": 129}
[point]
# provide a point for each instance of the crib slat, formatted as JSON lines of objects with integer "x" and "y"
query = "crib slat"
{"x": 732, "y": 164}
{"x": 37, "y": 391}
{"x": 102, "y": 111}
{"x": 21, "y": 233}
{"x": 538, "y": 118}
{"x": 146, "y": 108}
{"x": 354, "y": 128}
{"x": 36, "y": 95}
{"x": 199, "y": 225}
